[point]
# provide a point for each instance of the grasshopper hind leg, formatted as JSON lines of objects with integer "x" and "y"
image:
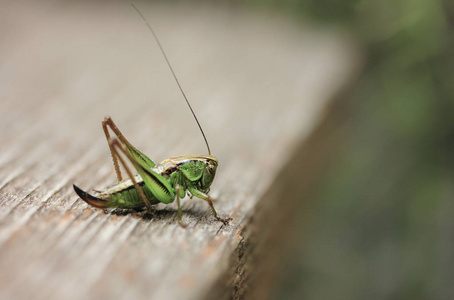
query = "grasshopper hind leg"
{"x": 116, "y": 147}
{"x": 109, "y": 123}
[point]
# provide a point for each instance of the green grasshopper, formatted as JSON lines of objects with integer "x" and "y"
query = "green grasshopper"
{"x": 155, "y": 183}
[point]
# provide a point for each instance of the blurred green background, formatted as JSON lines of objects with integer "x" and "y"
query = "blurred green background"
{"x": 383, "y": 225}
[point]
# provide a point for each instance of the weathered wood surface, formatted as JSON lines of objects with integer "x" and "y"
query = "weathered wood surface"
{"x": 260, "y": 86}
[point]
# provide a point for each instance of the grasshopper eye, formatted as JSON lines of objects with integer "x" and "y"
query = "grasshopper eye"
{"x": 211, "y": 169}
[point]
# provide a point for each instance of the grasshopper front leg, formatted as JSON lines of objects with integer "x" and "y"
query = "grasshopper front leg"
{"x": 207, "y": 198}
{"x": 177, "y": 194}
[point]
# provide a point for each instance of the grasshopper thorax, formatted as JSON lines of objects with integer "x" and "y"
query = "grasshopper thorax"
{"x": 198, "y": 169}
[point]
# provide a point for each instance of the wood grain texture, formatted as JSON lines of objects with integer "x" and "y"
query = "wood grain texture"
{"x": 260, "y": 86}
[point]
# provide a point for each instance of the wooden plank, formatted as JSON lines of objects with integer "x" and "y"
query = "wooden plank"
{"x": 260, "y": 86}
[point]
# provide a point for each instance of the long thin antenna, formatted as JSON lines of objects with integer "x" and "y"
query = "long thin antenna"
{"x": 174, "y": 76}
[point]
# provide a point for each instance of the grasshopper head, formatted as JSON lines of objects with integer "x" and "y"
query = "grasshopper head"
{"x": 209, "y": 171}
{"x": 198, "y": 169}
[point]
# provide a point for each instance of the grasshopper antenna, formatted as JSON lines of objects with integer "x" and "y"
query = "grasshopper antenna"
{"x": 174, "y": 76}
